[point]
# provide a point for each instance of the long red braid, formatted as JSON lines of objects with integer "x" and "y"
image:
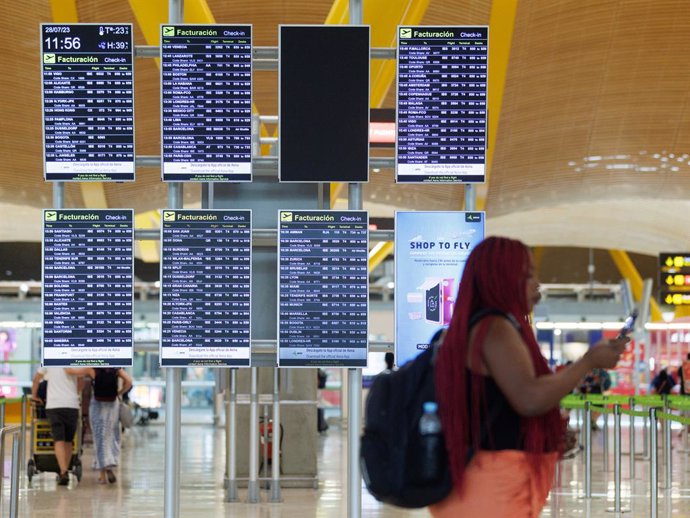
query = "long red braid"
{"x": 495, "y": 277}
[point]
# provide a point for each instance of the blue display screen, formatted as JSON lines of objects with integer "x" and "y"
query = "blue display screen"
{"x": 88, "y": 102}
{"x": 88, "y": 279}
{"x": 323, "y": 288}
{"x": 442, "y": 104}
{"x": 206, "y": 95}
{"x": 206, "y": 288}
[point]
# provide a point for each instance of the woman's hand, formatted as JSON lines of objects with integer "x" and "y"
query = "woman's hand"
{"x": 605, "y": 354}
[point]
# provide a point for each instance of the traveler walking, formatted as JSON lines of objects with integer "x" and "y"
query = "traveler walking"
{"x": 498, "y": 398}
{"x": 104, "y": 414}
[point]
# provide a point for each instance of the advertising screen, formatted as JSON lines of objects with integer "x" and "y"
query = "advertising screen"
{"x": 88, "y": 102}
{"x": 442, "y": 104}
{"x": 88, "y": 288}
{"x": 323, "y": 288}
{"x": 205, "y": 288}
{"x": 206, "y": 96}
{"x": 323, "y": 108}
{"x": 431, "y": 249}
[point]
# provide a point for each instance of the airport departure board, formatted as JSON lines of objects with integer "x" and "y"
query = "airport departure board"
{"x": 205, "y": 288}
{"x": 442, "y": 104}
{"x": 88, "y": 288}
{"x": 206, "y": 93}
{"x": 323, "y": 288}
{"x": 88, "y": 102}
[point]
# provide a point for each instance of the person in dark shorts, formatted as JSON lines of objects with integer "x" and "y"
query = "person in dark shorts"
{"x": 62, "y": 408}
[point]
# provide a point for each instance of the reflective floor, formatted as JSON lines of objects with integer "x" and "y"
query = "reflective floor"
{"x": 138, "y": 491}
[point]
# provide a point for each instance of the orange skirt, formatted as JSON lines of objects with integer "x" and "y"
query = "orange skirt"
{"x": 500, "y": 484}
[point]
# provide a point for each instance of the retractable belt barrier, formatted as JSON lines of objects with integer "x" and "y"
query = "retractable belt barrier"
{"x": 656, "y": 408}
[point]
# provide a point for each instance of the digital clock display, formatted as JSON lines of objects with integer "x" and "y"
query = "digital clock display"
{"x": 88, "y": 102}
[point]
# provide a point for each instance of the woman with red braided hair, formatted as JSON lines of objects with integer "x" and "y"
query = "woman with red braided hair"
{"x": 498, "y": 399}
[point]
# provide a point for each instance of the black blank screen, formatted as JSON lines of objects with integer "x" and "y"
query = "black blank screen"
{"x": 324, "y": 104}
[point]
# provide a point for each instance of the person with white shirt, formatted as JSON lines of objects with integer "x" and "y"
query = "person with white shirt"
{"x": 62, "y": 408}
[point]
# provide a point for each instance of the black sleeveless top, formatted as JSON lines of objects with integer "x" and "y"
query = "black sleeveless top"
{"x": 500, "y": 429}
{"x": 500, "y": 425}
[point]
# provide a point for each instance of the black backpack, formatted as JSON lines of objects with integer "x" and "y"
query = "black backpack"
{"x": 390, "y": 447}
{"x": 391, "y": 444}
{"x": 105, "y": 384}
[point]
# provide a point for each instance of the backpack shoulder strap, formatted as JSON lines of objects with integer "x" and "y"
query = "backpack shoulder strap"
{"x": 483, "y": 313}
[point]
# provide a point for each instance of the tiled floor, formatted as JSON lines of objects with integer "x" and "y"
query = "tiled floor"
{"x": 139, "y": 489}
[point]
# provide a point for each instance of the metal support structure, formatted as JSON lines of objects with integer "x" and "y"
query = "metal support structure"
{"x": 13, "y": 430}
{"x": 275, "y": 495}
{"x": 253, "y": 483}
{"x": 58, "y": 195}
{"x": 354, "y": 477}
{"x": 22, "y": 435}
{"x": 470, "y": 197}
{"x": 588, "y": 450}
{"x": 632, "y": 439}
{"x": 645, "y": 440}
{"x": 606, "y": 441}
{"x": 265, "y": 438}
{"x": 653, "y": 467}
{"x": 617, "y": 461}
{"x": 668, "y": 461}
{"x": 2, "y": 414}
{"x": 173, "y": 418}
{"x": 14, "y": 477}
{"x": 231, "y": 436}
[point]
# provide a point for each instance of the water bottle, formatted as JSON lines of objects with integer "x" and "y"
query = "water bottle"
{"x": 431, "y": 442}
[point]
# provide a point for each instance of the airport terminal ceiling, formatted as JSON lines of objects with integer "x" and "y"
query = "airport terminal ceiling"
{"x": 591, "y": 149}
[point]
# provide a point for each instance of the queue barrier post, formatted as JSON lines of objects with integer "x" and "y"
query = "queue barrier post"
{"x": 653, "y": 468}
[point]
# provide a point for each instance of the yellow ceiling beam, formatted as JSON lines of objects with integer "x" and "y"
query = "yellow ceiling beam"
{"x": 378, "y": 253}
{"x": 64, "y": 11}
{"x": 627, "y": 270}
{"x": 501, "y": 24}
{"x": 384, "y": 17}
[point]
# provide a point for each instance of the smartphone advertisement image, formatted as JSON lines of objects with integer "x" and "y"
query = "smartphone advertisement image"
{"x": 431, "y": 249}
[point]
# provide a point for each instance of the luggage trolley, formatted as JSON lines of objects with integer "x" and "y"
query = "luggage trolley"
{"x": 42, "y": 455}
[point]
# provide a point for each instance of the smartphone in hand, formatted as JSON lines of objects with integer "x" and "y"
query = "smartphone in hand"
{"x": 628, "y": 325}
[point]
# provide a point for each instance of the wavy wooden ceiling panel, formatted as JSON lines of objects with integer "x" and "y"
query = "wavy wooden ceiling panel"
{"x": 595, "y": 109}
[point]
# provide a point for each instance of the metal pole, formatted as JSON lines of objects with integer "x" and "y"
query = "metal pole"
{"x": 588, "y": 450}
{"x": 173, "y": 376}
{"x": 253, "y": 484}
{"x": 58, "y": 195}
{"x": 2, "y": 413}
{"x": 354, "y": 487}
{"x": 22, "y": 436}
{"x": 14, "y": 480}
{"x": 265, "y": 445}
{"x": 606, "y": 440}
{"x": 173, "y": 413}
{"x": 470, "y": 197}
{"x": 617, "y": 458}
{"x": 230, "y": 437}
{"x": 645, "y": 441}
{"x": 275, "y": 466}
{"x": 632, "y": 440}
{"x": 653, "y": 468}
{"x": 667, "y": 454}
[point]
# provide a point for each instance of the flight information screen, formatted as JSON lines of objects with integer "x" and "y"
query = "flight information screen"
{"x": 88, "y": 102}
{"x": 88, "y": 287}
{"x": 442, "y": 104}
{"x": 205, "y": 288}
{"x": 206, "y": 94}
{"x": 323, "y": 288}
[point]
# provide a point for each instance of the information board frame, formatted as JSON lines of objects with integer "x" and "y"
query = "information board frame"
{"x": 197, "y": 141}
{"x": 319, "y": 216}
{"x": 431, "y": 249}
{"x": 461, "y": 171}
{"x": 104, "y": 216}
{"x": 182, "y": 361}
{"x": 66, "y": 44}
